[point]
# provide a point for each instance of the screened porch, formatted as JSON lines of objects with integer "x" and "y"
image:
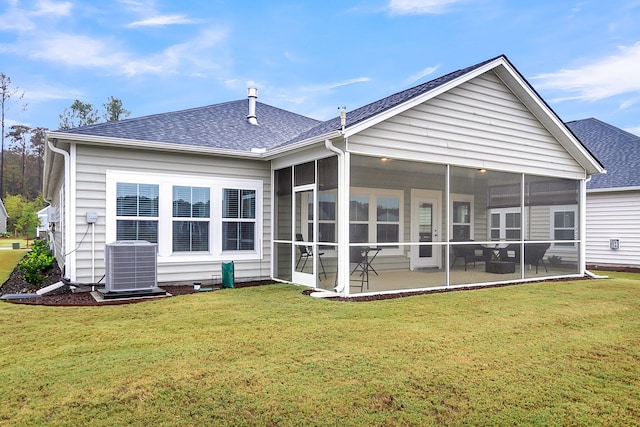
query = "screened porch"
{"x": 415, "y": 225}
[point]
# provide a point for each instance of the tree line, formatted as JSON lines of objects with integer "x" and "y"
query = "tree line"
{"x": 22, "y": 150}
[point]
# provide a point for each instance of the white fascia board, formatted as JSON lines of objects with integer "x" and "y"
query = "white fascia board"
{"x": 548, "y": 118}
{"x": 288, "y": 149}
{"x": 613, "y": 189}
{"x": 152, "y": 145}
{"x": 378, "y": 118}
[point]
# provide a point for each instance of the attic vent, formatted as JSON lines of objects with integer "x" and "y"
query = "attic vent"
{"x": 252, "y": 93}
{"x": 130, "y": 266}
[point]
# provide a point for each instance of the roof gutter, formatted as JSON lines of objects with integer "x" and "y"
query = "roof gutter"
{"x": 343, "y": 226}
{"x": 67, "y": 198}
{"x": 300, "y": 144}
{"x": 153, "y": 145}
{"x": 166, "y": 146}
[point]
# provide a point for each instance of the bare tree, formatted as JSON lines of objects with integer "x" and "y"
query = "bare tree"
{"x": 7, "y": 92}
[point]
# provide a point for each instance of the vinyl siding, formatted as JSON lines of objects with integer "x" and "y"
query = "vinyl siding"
{"x": 480, "y": 123}
{"x": 92, "y": 163}
{"x": 613, "y": 215}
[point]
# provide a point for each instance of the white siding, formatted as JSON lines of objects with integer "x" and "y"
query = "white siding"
{"x": 613, "y": 215}
{"x": 480, "y": 123}
{"x": 92, "y": 162}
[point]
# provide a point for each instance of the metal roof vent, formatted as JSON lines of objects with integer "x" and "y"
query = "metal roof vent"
{"x": 252, "y": 93}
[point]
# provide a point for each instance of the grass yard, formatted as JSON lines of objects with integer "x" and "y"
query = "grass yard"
{"x": 8, "y": 261}
{"x": 7, "y": 242}
{"x": 563, "y": 353}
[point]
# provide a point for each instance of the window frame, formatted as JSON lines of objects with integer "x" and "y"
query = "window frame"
{"x": 571, "y": 244}
{"x": 137, "y": 218}
{"x": 166, "y": 182}
{"x": 464, "y": 198}
{"x": 503, "y": 212}
{"x": 373, "y": 194}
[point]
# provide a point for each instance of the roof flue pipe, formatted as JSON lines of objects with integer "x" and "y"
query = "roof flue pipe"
{"x": 252, "y": 93}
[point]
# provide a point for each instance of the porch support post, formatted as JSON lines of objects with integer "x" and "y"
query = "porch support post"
{"x": 582, "y": 226}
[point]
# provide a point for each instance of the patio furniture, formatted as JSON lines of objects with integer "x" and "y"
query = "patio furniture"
{"x": 357, "y": 257}
{"x": 533, "y": 254}
{"x": 362, "y": 257}
{"x": 470, "y": 253}
{"x": 306, "y": 252}
{"x": 500, "y": 267}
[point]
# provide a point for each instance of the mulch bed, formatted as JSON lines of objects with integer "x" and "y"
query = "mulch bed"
{"x": 64, "y": 296}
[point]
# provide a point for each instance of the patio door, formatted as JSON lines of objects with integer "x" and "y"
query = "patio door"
{"x": 425, "y": 228}
{"x": 304, "y": 232}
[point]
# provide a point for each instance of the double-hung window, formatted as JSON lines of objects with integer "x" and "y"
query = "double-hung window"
{"x": 374, "y": 217}
{"x": 563, "y": 225}
{"x": 137, "y": 212}
{"x": 238, "y": 219}
{"x": 191, "y": 217}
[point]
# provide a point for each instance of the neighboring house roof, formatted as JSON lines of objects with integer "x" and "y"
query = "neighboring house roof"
{"x": 3, "y": 211}
{"x": 221, "y": 126}
{"x": 617, "y": 150}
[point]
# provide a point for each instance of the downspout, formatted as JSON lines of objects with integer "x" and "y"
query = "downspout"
{"x": 342, "y": 279}
{"x": 67, "y": 213}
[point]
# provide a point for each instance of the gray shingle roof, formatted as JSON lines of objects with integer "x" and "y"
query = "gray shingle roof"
{"x": 363, "y": 113}
{"x": 217, "y": 126}
{"x": 617, "y": 150}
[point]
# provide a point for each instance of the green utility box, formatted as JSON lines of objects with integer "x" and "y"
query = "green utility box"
{"x": 15, "y": 245}
{"x": 228, "y": 274}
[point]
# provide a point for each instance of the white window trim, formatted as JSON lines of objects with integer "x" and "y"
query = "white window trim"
{"x": 503, "y": 222}
{"x": 373, "y": 194}
{"x": 462, "y": 198}
{"x": 165, "y": 183}
{"x": 552, "y": 212}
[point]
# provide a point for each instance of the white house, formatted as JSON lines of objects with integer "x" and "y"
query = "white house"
{"x": 613, "y": 199}
{"x": 388, "y": 197}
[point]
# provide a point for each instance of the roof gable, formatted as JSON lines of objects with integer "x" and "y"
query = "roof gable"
{"x": 619, "y": 152}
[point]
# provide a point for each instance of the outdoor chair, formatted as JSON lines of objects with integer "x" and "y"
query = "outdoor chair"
{"x": 357, "y": 257}
{"x": 470, "y": 253}
{"x": 306, "y": 252}
{"x": 533, "y": 254}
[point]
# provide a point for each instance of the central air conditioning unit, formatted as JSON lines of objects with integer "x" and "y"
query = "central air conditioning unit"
{"x": 131, "y": 268}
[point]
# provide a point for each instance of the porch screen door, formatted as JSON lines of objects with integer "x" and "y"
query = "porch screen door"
{"x": 425, "y": 213}
{"x": 304, "y": 245}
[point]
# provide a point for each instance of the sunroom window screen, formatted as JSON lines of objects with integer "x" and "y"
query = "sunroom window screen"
{"x": 238, "y": 223}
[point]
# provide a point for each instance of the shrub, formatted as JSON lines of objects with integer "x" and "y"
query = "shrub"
{"x": 37, "y": 261}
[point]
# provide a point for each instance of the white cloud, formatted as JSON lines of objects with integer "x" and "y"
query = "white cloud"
{"x": 45, "y": 7}
{"x": 599, "y": 79}
{"x": 420, "y": 7}
{"x": 73, "y": 50}
{"x": 21, "y": 20}
{"x": 424, "y": 73}
{"x": 161, "y": 20}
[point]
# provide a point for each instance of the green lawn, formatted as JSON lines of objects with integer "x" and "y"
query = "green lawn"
{"x": 7, "y": 242}
{"x": 562, "y": 353}
{"x": 8, "y": 261}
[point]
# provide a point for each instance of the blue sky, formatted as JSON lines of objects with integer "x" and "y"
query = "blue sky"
{"x": 583, "y": 57}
